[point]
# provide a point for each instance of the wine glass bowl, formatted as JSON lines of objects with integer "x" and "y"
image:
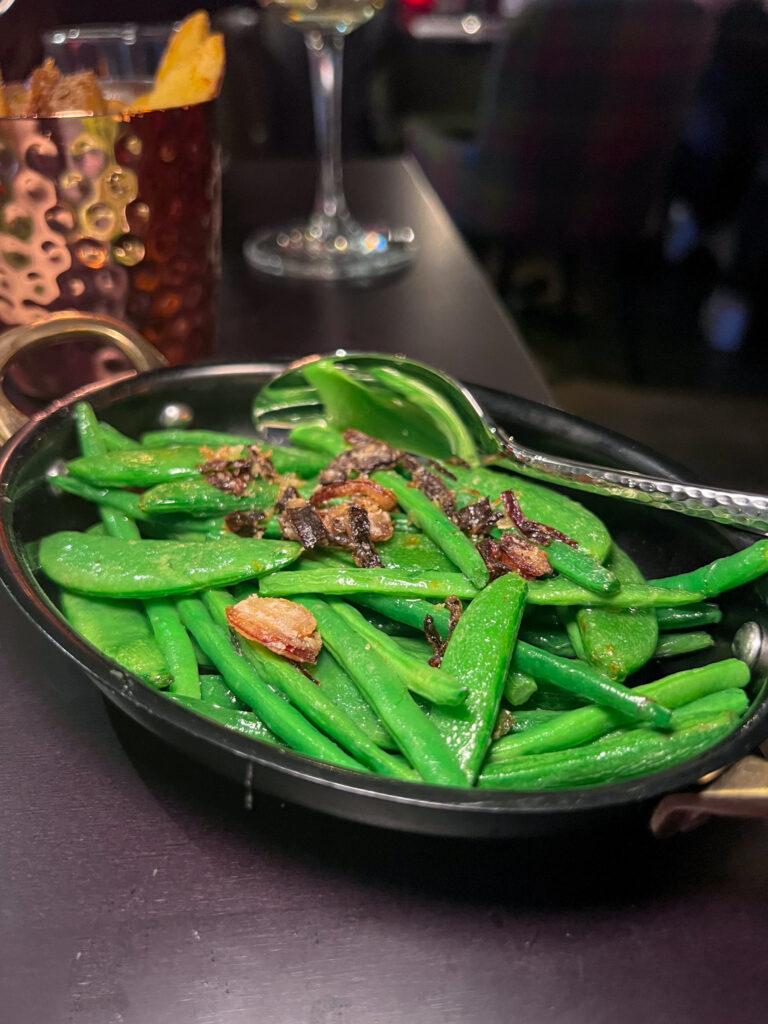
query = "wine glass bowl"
{"x": 332, "y": 245}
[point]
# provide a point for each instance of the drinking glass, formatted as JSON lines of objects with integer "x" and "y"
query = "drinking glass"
{"x": 332, "y": 246}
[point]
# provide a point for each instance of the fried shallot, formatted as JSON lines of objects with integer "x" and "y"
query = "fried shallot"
{"x": 284, "y": 627}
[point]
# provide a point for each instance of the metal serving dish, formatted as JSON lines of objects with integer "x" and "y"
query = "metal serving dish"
{"x": 221, "y": 397}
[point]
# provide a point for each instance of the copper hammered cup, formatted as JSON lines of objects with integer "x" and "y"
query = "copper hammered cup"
{"x": 116, "y": 215}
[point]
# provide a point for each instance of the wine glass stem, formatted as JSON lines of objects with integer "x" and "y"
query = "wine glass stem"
{"x": 326, "y": 51}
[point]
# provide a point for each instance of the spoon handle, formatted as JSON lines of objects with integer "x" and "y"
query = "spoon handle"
{"x": 734, "y": 508}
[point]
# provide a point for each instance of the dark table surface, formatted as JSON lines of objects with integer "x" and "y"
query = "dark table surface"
{"x": 136, "y": 889}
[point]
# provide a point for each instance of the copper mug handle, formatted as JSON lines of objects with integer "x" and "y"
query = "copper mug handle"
{"x": 139, "y": 352}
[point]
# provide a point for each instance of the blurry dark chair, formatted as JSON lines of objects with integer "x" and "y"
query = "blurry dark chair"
{"x": 582, "y": 105}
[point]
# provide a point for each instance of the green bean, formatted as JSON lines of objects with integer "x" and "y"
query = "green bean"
{"x": 585, "y": 681}
{"x": 121, "y": 631}
{"x": 541, "y": 504}
{"x": 196, "y": 438}
{"x": 93, "y": 447}
{"x": 174, "y": 642}
{"x": 112, "y": 567}
{"x": 437, "y": 526}
{"x": 572, "y": 728}
{"x": 213, "y": 690}
{"x": 245, "y": 722}
{"x": 339, "y": 686}
{"x": 672, "y": 644}
{"x": 688, "y": 616}
{"x": 137, "y": 467}
{"x": 573, "y": 633}
{"x": 554, "y": 641}
{"x": 410, "y": 611}
{"x": 196, "y": 497}
{"x": 479, "y": 652}
{"x": 415, "y": 646}
{"x": 277, "y": 714}
{"x": 522, "y": 719}
{"x": 415, "y": 735}
{"x": 611, "y": 759}
{"x": 579, "y": 566}
{"x": 287, "y": 678}
{"x": 438, "y": 687}
{"x": 519, "y": 687}
{"x": 340, "y": 582}
{"x": 723, "y": 574}
{"x": 618, "y": 641}
{"x": 562, "y": 593}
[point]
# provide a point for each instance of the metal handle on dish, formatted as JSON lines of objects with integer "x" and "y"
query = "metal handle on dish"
{"x": 733, "y": 508}
{"x": 134, "y": 347}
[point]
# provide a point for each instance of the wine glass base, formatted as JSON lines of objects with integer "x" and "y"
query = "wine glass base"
{"x": 295, "y": 252}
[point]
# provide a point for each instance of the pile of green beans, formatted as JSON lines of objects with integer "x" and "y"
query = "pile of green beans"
{"x": 537, "y": 687}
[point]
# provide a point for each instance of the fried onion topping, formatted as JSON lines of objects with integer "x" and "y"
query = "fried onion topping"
{"x": 284, "y": 627}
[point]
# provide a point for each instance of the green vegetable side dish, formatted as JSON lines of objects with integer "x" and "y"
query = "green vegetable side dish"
{"x": 452, "y": 640}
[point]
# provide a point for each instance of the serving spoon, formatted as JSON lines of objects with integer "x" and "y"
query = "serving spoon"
{"x": 288, "y": 400}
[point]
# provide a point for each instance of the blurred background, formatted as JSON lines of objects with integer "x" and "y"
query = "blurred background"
{"x": 606, "y": 160}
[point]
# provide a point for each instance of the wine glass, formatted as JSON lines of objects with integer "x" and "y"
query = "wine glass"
{"x": 332, "y": 246}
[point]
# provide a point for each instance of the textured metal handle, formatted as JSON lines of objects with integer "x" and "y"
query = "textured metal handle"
{"x": 137, "y": 349}
{"x": 734, "y": 508}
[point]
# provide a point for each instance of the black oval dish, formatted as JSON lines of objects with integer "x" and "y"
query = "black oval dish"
{"x": 221, "y": 397}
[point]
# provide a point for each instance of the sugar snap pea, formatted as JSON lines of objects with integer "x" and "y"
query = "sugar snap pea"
{"x": 519, "y": 687}
{"x": 213, "y": 690}
{"x": 339, "y": 686}
{"x": 121, "y": 631}
{"x": 479, "y": 652}
{"x": 245, "y": 722}
{"x": 112, "y": 567}
{"x": 114, "y": 440}
{"x": 341, "y": 581}
{"x": 561, "y": 593}
{"x": 410, "y": 611}
{"x": 324, "y": 439}
{"x": 285, "y": 458}
{"x": 581, "y": 567}
{"x": 196, "y": 497}
{"x": 618, "y": 641}
{"x": 137, "y": 467}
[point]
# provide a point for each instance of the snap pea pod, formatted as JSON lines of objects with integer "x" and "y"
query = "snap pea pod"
{"x": 688, "y": 616}
{"x": 196, "y": 497}
{"x": 213, "y": 690}
{"x": 277, "y": 714}
{"x": 114, "y": 440}
{"x": 723, "y": 574}
{"x": 581, "y": 567}
{"x": 341, "y": 581}
{"x": 415, "y": 646}
{"x": 415, "y": 735}
{"x": 562, "y": 593}
{"x": 414, "y": 552}
{"x": 410, "y": 611}
{"x": 437, "y": 686}
{"x": 285, "y": 458}
{"x": 437, "y": 526}
{"x": 618, "y": 641}
{"x": 111, "y": 567}
{"x": 137, "y": 467}
{"x": 541, "y": 504}
{"x": 121, "y": 631}
{"x": 624, "y": 755}
{"x": 585, "y": 681}
{"x": 171, "y": 637}
{"x": 519, "y": 687}
{"x": 522, "y": 719}
{"x": 324, "y": 439}
{"x": 567, "y": 617}
{"x": 572, "y": 728}
{"x": 287, "y": 678}
{"x": 339, "y": 686}
{"x": 479, "y": 652}
{"x": 245, "y": 722}
{"x": 672, "y": 644}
